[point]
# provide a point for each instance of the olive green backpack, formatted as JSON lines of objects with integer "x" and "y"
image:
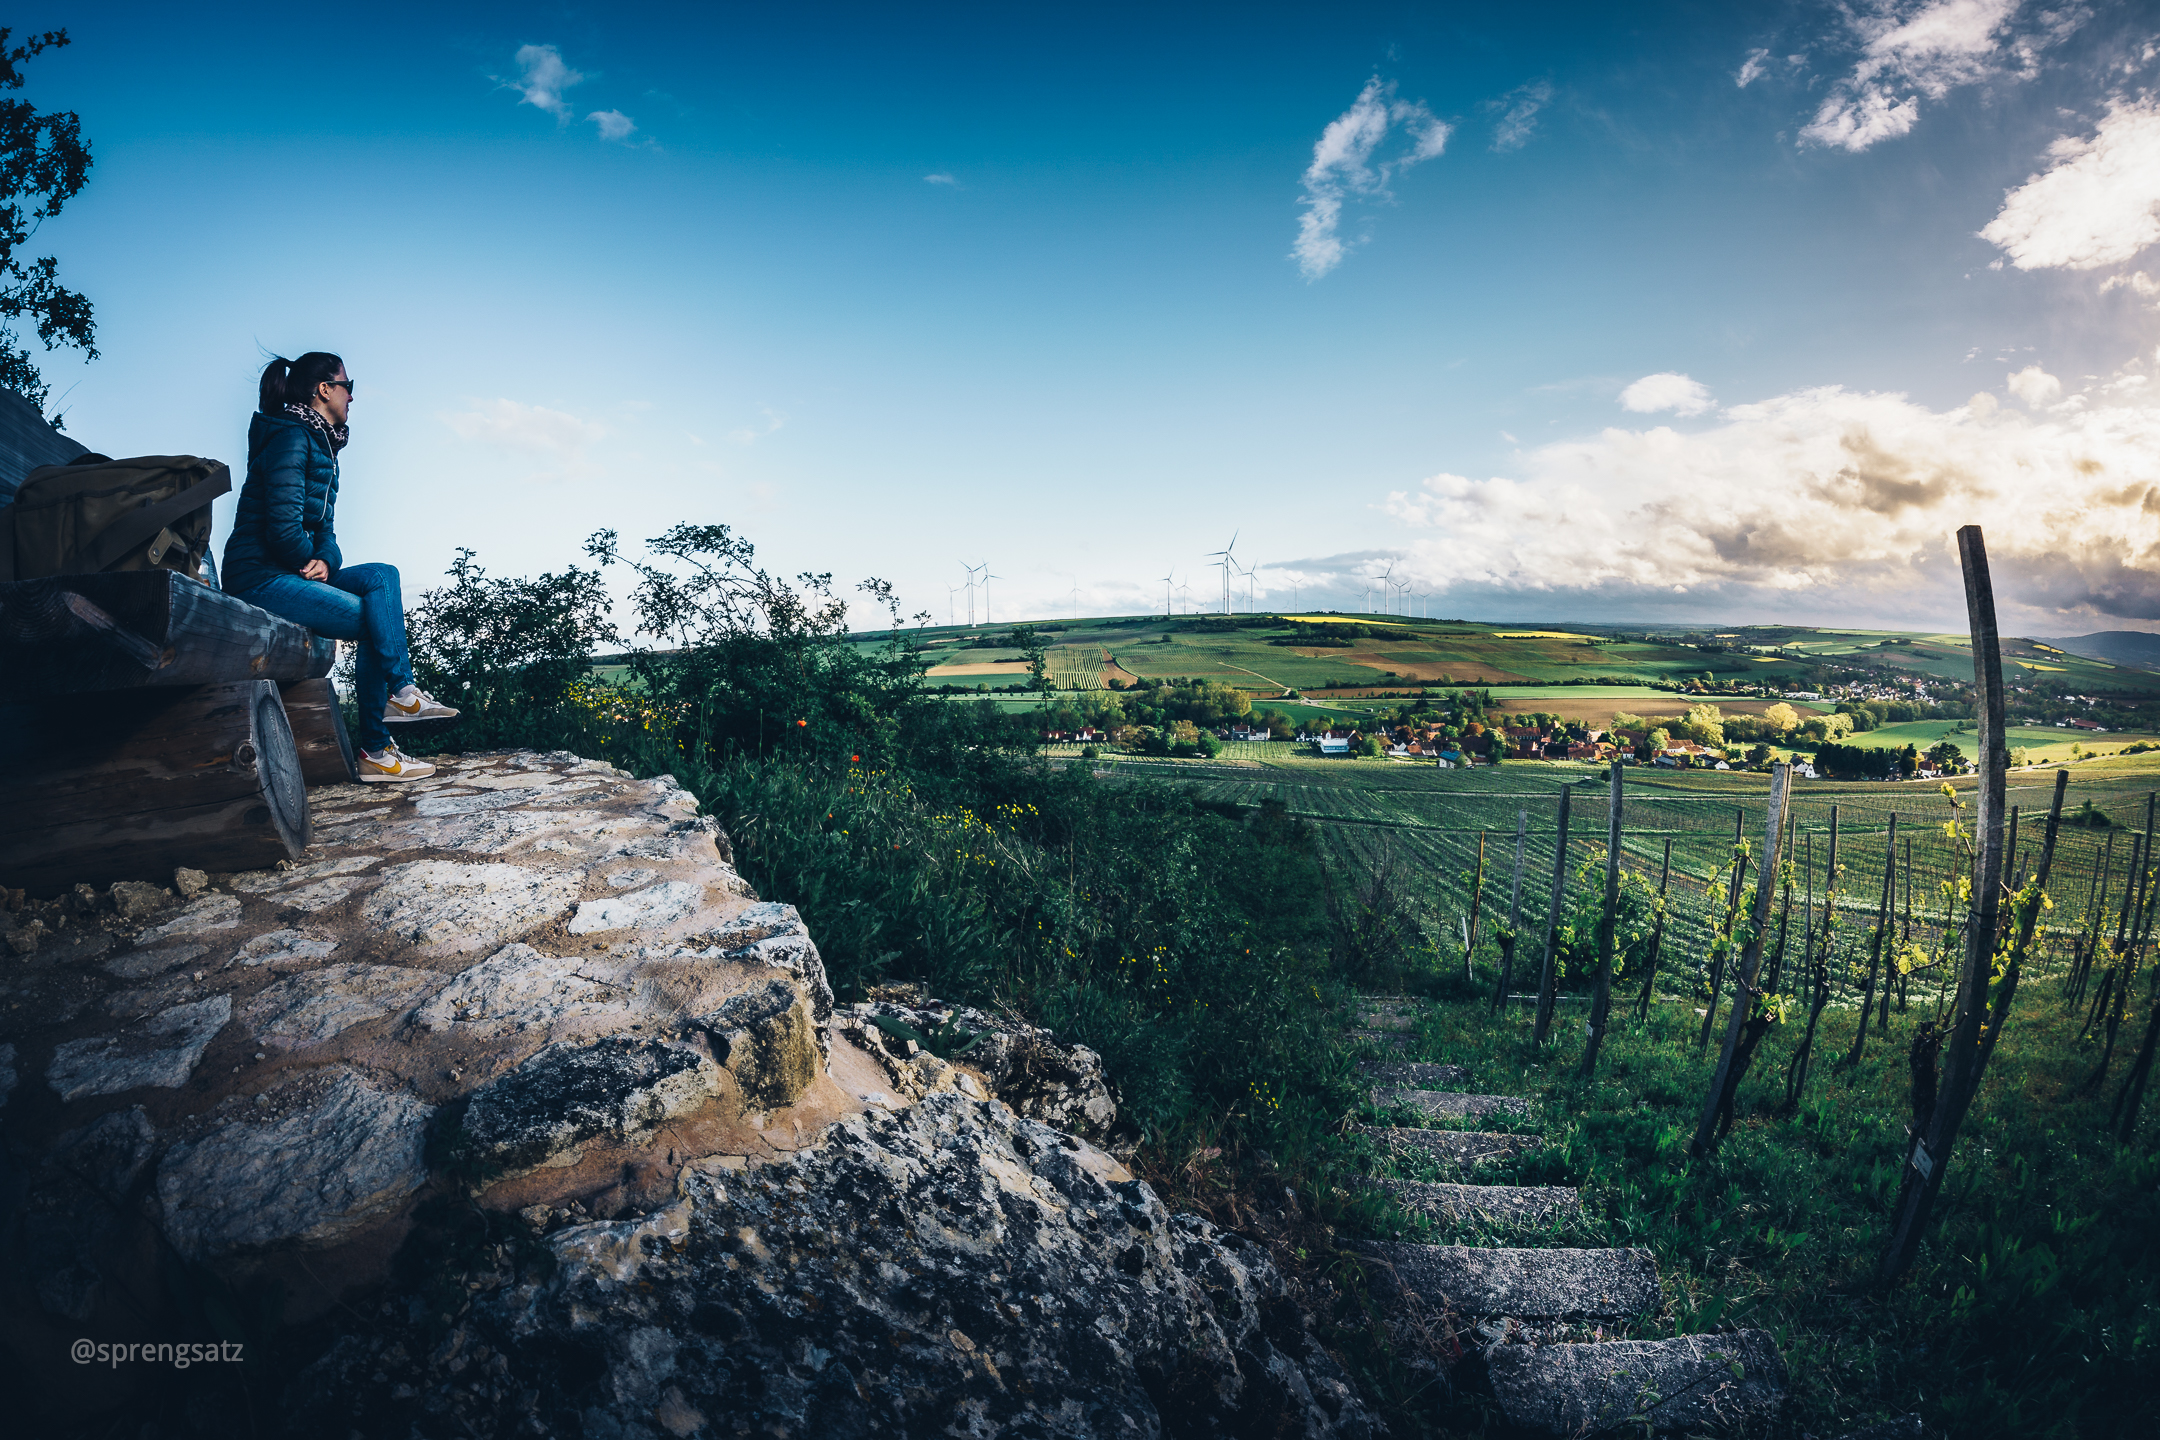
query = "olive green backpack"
{"x": 95, "y": 514}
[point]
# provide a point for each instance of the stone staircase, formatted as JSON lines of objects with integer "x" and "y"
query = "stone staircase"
{"x": 1527, "y": 1308}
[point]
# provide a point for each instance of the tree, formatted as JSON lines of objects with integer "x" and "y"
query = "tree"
{"x": 1705, "y": 725}
{"x": 1028, "y": 642}
{"x": 1782, "y": 718}
{"x": 1660, "y": 738}
{"x": 43, "y": 163}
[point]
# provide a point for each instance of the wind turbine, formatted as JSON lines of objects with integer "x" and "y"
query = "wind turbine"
{"x": 950, "y": 591}
{"x": 1184, "y": 591}
{"x": 1224, "y": 555}
{"x": 987, "y": 578}
{"x": 1387, "y": 584}
{"x": 1166, "y": 592}
{"x": 970, "y": 590}
{"x": 1252, "y": 606}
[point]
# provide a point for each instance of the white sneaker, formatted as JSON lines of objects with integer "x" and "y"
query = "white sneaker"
{"x": 413, "y": 703}
{"x": 390, "y": 764}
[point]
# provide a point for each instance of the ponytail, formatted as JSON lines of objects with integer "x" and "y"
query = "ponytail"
{"x": 292, "y": 382}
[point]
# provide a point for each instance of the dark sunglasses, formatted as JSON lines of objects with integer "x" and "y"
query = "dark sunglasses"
{"x": 346, "y": 383}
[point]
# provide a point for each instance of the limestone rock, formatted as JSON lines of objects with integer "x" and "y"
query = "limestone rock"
{"x": 137, "y": 899}
{"x": 445, "y": 906}
{"x": 309, "y": 1008}
{"x": 336, "y": 1153}
{"x": 1519, "y": 1284}
{"x": 1060, "y": 1085}
{"x": 774, "y": 935}
{"x": 568, "y": 1094}
{"x": 955, "y": 1270}
{"x": 656, "y": 906}
{"x": 1461, "y": 1150}
{"x": 190, "y": 883}
{"x": 211, "y": 912}
{"x": 518, "y": 988}
{"x": 159, "y": 1051}
{"x": 1683, "y": 1386}
{"x": 77, "y": 1198}
{"x": 768, "y": 1042}
{"x": 1494, "y": 1204}
{"x": 1417, "y": 1074}
{"x": 1453, "y": 1105}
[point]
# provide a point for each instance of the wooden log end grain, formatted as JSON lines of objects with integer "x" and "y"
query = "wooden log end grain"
{"x": 319, "y": 734}
{"x": 130, "y": 786}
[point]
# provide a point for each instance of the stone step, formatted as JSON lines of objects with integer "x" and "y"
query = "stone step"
{"x": 1453, "y": 1105}
{"x": 1502, "y": 1204}
{"x": 1463, "y": 1149}
{"x": 1519, "y": 1284}
{"x": 1380, "y": 1037}
{"x": 1386, "y": 1020}
{"x": 1629, "y": 1386}
{"x": 1414, "y": 1073}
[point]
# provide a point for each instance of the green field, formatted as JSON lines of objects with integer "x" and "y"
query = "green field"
{"x": 2044, "y": 745}
{"x": 1526, "y": 667}
{"x": 1427, "y": 822}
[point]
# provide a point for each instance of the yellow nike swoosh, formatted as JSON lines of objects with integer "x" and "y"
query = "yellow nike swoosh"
{"x": 405, "y": 709}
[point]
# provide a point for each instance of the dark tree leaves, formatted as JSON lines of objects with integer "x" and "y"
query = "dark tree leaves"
{"x": 43, "y": 163}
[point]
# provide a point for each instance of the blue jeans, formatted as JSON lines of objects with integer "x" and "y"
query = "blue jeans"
{"x": 363, "y": 603}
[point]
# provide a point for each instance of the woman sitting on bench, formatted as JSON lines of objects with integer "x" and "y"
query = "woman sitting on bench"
{"x": 283, "y": 553}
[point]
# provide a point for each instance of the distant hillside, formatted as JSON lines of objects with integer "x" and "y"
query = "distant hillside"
{"x": 2140, "y": 648}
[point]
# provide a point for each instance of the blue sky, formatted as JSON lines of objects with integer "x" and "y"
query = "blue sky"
{"x": 1597, "y": 330}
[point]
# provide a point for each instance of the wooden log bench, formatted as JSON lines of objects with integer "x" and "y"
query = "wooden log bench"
{"x": 155, "y": 722}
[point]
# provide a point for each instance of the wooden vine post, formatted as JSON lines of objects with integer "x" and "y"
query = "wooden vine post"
{"x": 1549, "y": 977}
{"x": 1477, "y": 894}
{"x": 1657, "y": 937}
{"x": 1883, "y": 907}
{"x": 1726, "y": 1078}
{"x": 1601, "y": 1006}
{"x": 1963, "y": 1058}
{"x": 1514, "y": 914}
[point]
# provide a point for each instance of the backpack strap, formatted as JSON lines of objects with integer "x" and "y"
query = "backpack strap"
{"x": 141, "y": 525}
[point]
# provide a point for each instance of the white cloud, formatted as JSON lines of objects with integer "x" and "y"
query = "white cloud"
{"x": 543, "y": 77}
{"x": 533, "y": 429}
{"x": 1667, "y": 391}
{"x": 1343, "y": 165}
{"x": 2035, "y": 386}
{"x": 1518, "y": 118}
{"x": 614, "y": 125}
{"x": 941, "y": 178}
{"x": 750, "y": 434}
{"x": 1823, "y": 501}
{"x": 2097, "y": 204}
{"x": 2137, "y": 282}
{"x": 1751, "y": 69}
{"x": 1923, "y": 49}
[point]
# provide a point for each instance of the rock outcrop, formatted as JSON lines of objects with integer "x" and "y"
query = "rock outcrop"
{"x": 948, "y": 1269}
{"x": 532, "y": 1115}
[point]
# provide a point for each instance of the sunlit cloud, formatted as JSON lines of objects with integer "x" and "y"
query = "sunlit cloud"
{"x": 1518, "y": 114}
{"x": 1824, "y": 501}
{"x": 2098, "y": 202}
{"x": 614, "y": 125}
{"x": 1909, "y": 52}
{"x": 542, "y": 78}
{"x": 1353, "y": 159}
{"x": 1667, "y": 391}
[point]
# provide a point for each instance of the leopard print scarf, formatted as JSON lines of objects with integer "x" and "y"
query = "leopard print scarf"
{"x": 334, "y": 436}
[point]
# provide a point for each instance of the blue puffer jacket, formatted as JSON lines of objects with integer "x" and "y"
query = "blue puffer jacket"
{"x": 288, "y": 506}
